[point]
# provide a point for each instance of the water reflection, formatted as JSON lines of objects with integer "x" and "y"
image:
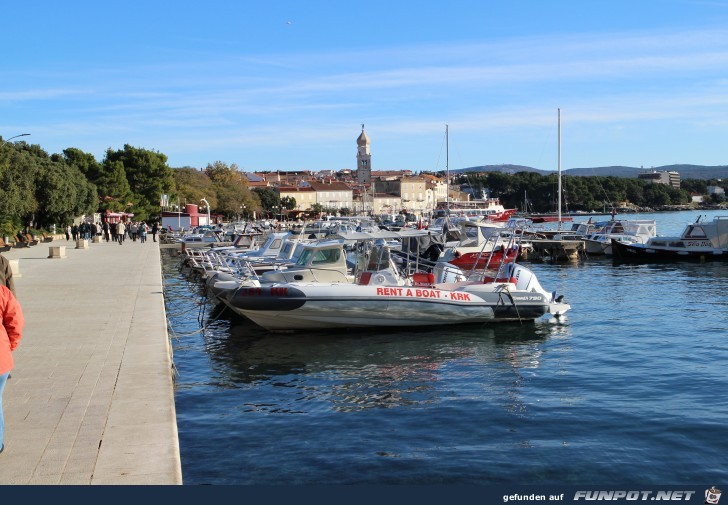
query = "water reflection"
{"x": 362, "y": 370}
{"x": 306, "y": 371}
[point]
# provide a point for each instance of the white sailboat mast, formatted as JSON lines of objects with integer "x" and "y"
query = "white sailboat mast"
{"x": 447, "y": 169}
{"x": 559, "y": 166}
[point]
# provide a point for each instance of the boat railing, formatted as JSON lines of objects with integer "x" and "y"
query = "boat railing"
{"x": 230, "y": 264}
{"x": 514, "y": 237}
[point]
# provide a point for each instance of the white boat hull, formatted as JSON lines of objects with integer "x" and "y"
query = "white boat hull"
{"x": 314, "y": 306}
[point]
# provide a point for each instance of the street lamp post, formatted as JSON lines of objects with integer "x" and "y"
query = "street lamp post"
{"x": 208, "y": 210}
{"x": 16, "y": 136}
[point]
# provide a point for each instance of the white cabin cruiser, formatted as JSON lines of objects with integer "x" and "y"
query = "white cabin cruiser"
{"x": 634, "y": 231}
{"x": 323, "y": 261}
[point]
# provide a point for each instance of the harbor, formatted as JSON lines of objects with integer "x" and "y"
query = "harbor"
{"x": 611, "y": 392}
{"x": 128, "y": 373}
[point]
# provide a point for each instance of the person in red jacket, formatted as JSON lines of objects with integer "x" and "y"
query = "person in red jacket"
{"x": 11, "y": 331}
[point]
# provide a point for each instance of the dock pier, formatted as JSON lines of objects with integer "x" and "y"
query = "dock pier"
{"x": 555, "y": 250}
{"x": 91, "y": 397}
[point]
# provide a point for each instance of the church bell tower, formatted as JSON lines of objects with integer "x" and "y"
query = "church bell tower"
{"x": 363, "y": 159}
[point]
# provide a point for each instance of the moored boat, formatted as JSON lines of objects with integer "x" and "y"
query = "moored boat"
{"x": 634, "y": 231}
{"x": 484, "y": 244}
{"x": 699, "y": 241}
{"x": 382, "y": 298}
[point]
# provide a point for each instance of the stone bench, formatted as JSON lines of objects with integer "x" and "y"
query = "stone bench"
{"x": 15, "y": 267}
{"x": 82, "y": 243}
{"x": 57, "y": 251}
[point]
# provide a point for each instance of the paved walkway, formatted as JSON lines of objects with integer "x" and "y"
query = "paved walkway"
{"x": 91, "y": 398}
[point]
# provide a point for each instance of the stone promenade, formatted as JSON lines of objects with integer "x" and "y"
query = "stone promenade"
{"x": 91, "y": 398}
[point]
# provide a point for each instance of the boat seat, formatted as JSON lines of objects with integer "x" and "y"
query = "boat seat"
{"x": 487, "y": 280}
{"x": 423, "y": 279}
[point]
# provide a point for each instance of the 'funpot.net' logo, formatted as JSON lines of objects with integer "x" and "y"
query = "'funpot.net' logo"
{"x": 712, "y": 496}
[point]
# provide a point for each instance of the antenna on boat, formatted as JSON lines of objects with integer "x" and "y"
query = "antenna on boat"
{"x": 559, "y": 166}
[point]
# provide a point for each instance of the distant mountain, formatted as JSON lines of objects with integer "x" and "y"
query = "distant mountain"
{"x": 506, "y": 169}
{"x": 686, "y": 171}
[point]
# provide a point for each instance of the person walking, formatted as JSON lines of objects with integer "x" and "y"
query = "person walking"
{"x": 6, "y": 274}
{"x": 68, "y": 232}
{"x": 11, "y": 331}
{"x": 143, "y": 232}
{"x": 120, "y": 231}
{"x": 155, "y": 229}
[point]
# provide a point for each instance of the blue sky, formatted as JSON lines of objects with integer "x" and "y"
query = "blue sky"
{"x": 285, "y": 85}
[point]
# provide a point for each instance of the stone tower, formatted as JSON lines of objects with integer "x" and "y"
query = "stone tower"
{"x": 363, "y": 159}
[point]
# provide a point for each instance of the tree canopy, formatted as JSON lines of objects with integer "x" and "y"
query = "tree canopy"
{"x": 536, "y": 193}
{"x": 38, "y": 190}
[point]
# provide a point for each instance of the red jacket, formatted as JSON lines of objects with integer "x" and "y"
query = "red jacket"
{"x": 11, "y": 329}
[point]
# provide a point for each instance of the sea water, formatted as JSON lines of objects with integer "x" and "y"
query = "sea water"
{"x": 630, "y": 388}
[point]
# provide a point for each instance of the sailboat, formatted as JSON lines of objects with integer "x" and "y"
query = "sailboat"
{"x": 558, "y": 218}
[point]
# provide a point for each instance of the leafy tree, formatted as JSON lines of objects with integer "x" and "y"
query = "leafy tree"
{"x": 717, "y": 197}
{"x": 40, "y": 190}
{"x": 148, "y": 175}
{"x": 84, "y": 162}
{"x": 317, "y": 209}
{"x": 221, "y": 173}
{"x": 18, "y": 171}
{"x": 269, "y": 198}
{"x": 192, "y": 185}
{"x": 113, "y": 187}
{"x": 288, "y": 202}
{"x": 65, "y": 193}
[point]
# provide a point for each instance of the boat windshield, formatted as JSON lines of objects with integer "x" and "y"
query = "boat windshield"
{"x": 695, "y": 231}
{"x": 318, "y": 257}
{"x": 378, "y": 259}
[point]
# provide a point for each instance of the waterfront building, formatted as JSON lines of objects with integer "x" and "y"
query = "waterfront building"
{"x": 414, "y": 194}
{"x": 386, "y": 203}
{"x": 305, "y": 196}
{"x": 333, "y": 194}
{"x": 438, "y": 186}
{"x": 661, "y": 177}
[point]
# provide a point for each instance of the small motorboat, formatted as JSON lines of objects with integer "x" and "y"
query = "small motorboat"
{"x": 381, "y": 297}
{"x": 635, "y": 231}
{"x": 485, "y": 243}
{"x": 699, "y": 241}
{"x": 199, "y": 238}
{"x": 322, "y": 261}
